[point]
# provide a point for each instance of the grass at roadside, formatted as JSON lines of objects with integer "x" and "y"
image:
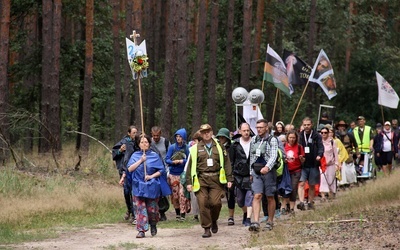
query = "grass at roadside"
{"x": 37, "y": 204}
{"x": 34, "y": 205}
{"x": 350, "y": 204}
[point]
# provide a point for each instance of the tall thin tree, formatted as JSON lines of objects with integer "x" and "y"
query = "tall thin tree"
{"x": 50, "y": 93}
{"x": 212, "y": 66}
{"x": 117, "y": 68}
{"x": 182, "y": 62}
{"x": 170, "y": 66}
{"x": 246, "y": 44}
{"x": 5, "y": 8}
{"x": 255, "y": 63}
{"x": 228, "y": 63}
{"x": 199, "y": 66}
{"x": 87, "y": 90}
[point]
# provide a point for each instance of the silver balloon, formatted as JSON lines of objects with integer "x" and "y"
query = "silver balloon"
{"x": 239, "y": 95}
{"x": 256, "y": 96}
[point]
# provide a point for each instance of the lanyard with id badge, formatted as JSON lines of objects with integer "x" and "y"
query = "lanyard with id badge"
{"x": 258, "y": 150}
{"x": 310, "y": 140}
{"x": 210, "y": 162}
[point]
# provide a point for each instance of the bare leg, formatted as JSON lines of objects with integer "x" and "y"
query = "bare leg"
{"x": 257, "y": 206}
{"x": 311, "y": 193}
{"x": 301, "y": 191}
{"x": 271, "y": 208}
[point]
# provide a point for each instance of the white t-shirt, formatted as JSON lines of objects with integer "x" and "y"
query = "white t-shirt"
{"x": 245, "y": 146}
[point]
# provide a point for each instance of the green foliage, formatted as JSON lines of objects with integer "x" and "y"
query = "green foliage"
{"x": 370, "y": 32}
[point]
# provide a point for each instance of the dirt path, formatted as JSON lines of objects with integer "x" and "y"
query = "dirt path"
{"x": 115, "y": 236}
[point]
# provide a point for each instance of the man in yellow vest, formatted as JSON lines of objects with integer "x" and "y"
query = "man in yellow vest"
{"x": 209, "y": 168}
{"x": 364, "y": 137}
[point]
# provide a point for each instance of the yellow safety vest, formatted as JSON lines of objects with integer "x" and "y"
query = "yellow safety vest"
{"x": 193, "y": 156}
{"x": 363, "y": 145}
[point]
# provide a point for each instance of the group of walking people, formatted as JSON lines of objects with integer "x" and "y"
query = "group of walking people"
{"x": 248, "y": 170}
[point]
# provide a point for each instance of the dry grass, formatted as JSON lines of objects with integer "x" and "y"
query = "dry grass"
{"x": 39, "y": 195}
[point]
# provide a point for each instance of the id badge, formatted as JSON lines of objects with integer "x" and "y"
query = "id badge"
{"x": 307, "y": 150}
{"x": 258, "y": 152}
{"x": 310, "y": 140}
{"x": 210, "y": 162}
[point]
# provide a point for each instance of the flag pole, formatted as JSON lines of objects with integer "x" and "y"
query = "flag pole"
{"x": 276, "y": 99}
{"x": 141, "y": 103}
{"x": 298, "y": 104}
{"x": 383, "y": 118}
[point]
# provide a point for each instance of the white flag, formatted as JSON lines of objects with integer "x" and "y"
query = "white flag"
{"x": 386, "y": 94}
{"x": 322, "y": 73}
{"x": 251, "y": 113}
{"x": 132, "y": 51}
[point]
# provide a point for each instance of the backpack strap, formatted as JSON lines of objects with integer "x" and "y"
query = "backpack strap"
{"x": 166, "y": 142}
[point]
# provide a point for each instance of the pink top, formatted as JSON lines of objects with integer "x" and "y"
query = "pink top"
{"x": 331, "y": 152}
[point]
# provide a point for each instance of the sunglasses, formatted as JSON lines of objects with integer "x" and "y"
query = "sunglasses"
{"x": 324, "y": 133}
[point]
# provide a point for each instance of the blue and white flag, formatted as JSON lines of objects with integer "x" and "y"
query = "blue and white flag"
{"x": 137, "y": 58}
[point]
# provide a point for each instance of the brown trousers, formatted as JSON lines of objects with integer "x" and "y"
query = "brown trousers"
{"x": 209, "y": 199}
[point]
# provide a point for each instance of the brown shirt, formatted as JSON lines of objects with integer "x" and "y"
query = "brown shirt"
{"x": 203, "y": 153}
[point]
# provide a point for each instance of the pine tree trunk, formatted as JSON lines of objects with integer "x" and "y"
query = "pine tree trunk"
{"x": 212, "y": 66}
{"x": 246, "y": 45}
{"x": 257, "y": 61}
{"x": 199, "y": 67}
{"x": 182, "y": 64}
{"x": 117, "y": 69}
{"x": 5, "y": 8}
{"x": 170, "y": 65}
{"x": 50, "y": 103}
{"x": 126, "y": 94}
{"x": 87, "y": 91}
{"x": 228, "y": 65}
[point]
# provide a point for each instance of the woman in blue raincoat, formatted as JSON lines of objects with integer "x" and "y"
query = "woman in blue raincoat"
{"x": 149, "y": 183}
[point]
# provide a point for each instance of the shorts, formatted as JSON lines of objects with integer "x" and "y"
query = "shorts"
{"x": 244, "y": 197}
{"x": 295, "y": 178}
{"x": 386, "y": 158}
{"x": 265, "y": 183}
{"x": 311, "y": 174}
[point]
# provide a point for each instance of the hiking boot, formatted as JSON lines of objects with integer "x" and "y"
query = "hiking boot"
{"x": 247, "y": 222}
{"x": 254, "y": 227}
{"x": 153, "y": 230}
{"x": 207, "y": 233}
{"x": 269, "y": 225}
{"x": 311, "y": 206}
{"x": 163, "y": 217}
{"x": 231, "y": 221}
{"x": 214, "y": 227}
{"x": 301, "y": 206}
{"x": 140, "y": 234}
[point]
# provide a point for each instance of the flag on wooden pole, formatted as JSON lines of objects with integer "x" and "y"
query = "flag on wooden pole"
{"x": 298, "y": 71}
{"x": 322, "y": 74}
{"x": 275, "y": 72}
{"x": 387, "y": 96}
